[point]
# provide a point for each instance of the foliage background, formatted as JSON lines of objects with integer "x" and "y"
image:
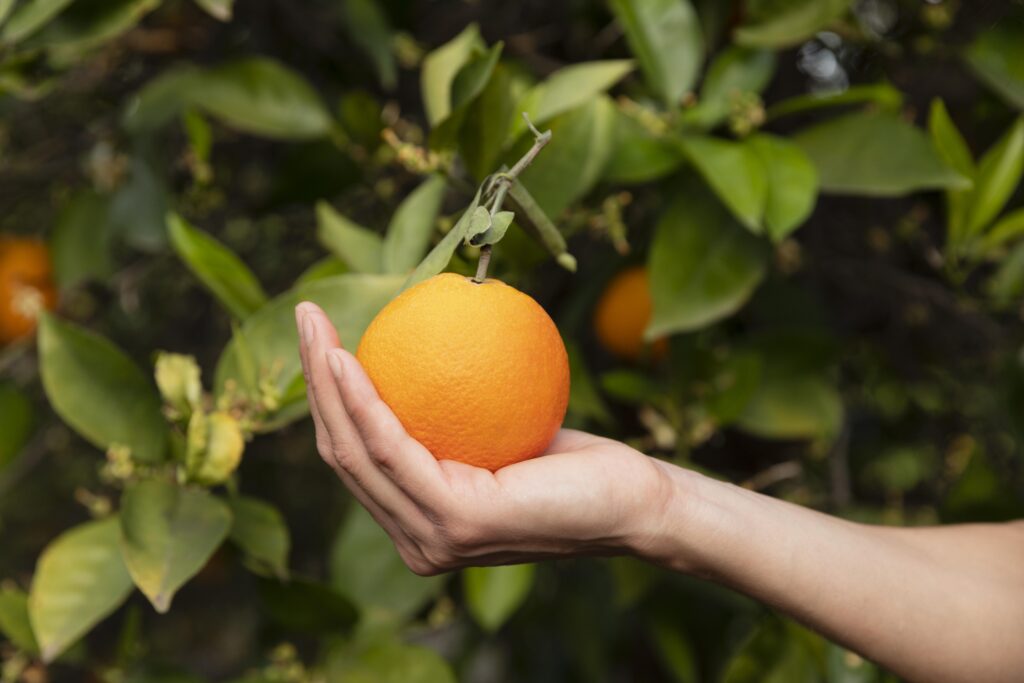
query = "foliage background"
{"x": 867, "y": 363}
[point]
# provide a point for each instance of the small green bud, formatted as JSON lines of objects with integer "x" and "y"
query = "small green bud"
{"x": 214, "y": 447}
{"x": 178, "y": 379}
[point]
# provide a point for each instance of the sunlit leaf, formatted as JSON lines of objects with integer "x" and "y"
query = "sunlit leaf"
{"x": 366, "y": 567}
{"x": 854, "y": 155}
{"x": 79, "y": 580}
{"x": 261, "y": 533}
{"x": 567, "y": 89}
{"x": 438, "y": 258}
{"x": 412, "y": 225}
{"x": 493, "y": 594}
{"x": 14, "y": 619}
{"x": 358, "y": 247}
{"x": 782, "y": 23}
{"x": 167, "y": 535}
{"x": 999, "y": 173}
{"x": 99, "y": 391}
{"x": 735, "y": 172}
{"x": 470, "y": 82}
{"x": 217, "y": 267}
{"x": 440, "y": 68}
{"x": 386, "y": 661}
{"x": 29, "y": 17}
{"x": 882, "y": 95}
{"x": 665, "y": 37}
{"x": 792, "y": 184}
{"x": 703, "y": 265}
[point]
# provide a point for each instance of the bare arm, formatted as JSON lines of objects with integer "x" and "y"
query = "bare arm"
{"x": 935, "y": 604}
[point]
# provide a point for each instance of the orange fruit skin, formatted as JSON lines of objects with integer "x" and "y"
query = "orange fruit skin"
{"x": 477, "y": 373}
{"x": 622, "y": 315}
{"x": 26, "y": 281}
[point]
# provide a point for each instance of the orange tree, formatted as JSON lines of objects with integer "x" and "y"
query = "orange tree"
{"x": 824, "y": 195}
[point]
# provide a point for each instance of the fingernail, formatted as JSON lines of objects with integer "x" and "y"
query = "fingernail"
{"x": 308, "y": 330}
{"x": 334, "y": 361}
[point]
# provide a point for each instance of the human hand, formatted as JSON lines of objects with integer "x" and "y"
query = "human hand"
{"x": 586, "y": 495}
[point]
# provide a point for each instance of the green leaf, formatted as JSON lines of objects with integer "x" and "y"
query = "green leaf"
{"x": 358, "y": 247}
{"x": 536, "y": 223}
{"x": 493, "y": 594}
{"x": 703, "y": 265}
{"x": 777, "y": 651}
{"x": 469, "y": 84}
{"x": 784, "y": 23}
{"x": 138, "y": 211}
{"x": 574, "y": 160}
{"x": 997, "y": 57}
{"x": 29, "y": 17}
{"x": 675, "y": 649}
{"x": 217, "y": 267}
{"x": 79, "y": 580}
{"x": 308, "y": 607}
{"x": 440, "y": 68}
{"x": 89, "y": 24}
{"x": 412, "y": 225}
{"x": 954, "y": 151}
{"x": 638, "y": 155}
{"x": 266, "y": 345}
{"x": 1007, "y": 284}
{"x": 5, "y": 10}
{"x": 568, "y": 88}
{"x": 328, "y": 266}
{"x": 999, "y": 173}
{"x": 14, "y": 620}
{"x": 256, "y": 95}
{"x": 366, "y": 567}
{"x": 854, "y": 155}
{"x": 735, "y": 172}
{"x": 792, "y": 184}
{"x": 261, "y": 96}
{"x": 80, "y": 244}
{"x": 666, "y": 39}
{"x": 497, "y": 226}
{"x": 439, "y": 257}
{"x": 882, "y": 95}
{"x": 261, "y": 533}
{"x": 167, "y": 535}
{"x": 488, "y": 119}
{"x": 1006, "y": 229}
{"x": 796, "y": 407}
{"x": 17, "y": 421}
{"x": 368, "y": 26}
{"x": 584, "y": 399}
{"x": 99, "y": 392}
{"x": 629, "y": 386}
{"x": 735, "y": 71}
{"x": 388, "y": 662}
{"x": 218, "y": 9}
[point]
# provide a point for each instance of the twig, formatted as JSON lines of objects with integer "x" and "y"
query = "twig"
{"x": 502, "y": 184}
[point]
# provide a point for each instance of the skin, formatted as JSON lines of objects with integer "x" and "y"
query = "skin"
{"x": 931, "y": 604}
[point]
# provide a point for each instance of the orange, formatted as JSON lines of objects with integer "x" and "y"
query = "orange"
{"x": 623, "y": 313}
{"x": 475, "y": 372}
{"x": 26, "y": 286}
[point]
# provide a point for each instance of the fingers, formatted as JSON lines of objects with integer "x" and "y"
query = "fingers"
{"x": 398, "y": 455}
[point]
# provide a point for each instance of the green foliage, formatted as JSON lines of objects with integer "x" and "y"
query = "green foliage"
{"x": 833, "y": 351}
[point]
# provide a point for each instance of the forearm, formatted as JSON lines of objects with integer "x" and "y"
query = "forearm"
{"x": 931, "y": 604}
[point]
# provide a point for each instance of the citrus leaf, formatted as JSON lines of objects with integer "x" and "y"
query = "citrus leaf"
{"x": 783, "y": 24}
{"x": 167, "y": 535}
{"x": 366, "y": 567}
{"x": 99, "y": 392}
{"x": 1006, "y": 229}
{"x": 162, "y": 99}
{"x": 735, "y": 172}
{"x": 80, "y": 244}
{"x": 493, "y": 594}
{"x": 703, "y": 265}
{"x": 217, "y": 267}
{"x": 412, "y": 225}
{"x": 440, "y": 68}
{"x": 533, "y": 219}
{"x": 495, "y": 230}
{"x": 470, "y": 82}
{"x": 14, "y": 619}
{"x": 79, "y": 580}
{"x": 792, "y": 184}
{"x": 368, "y": 26}
{"x": 568, "y": 88}
{"x": 308, "y": 606}
{"x": 882, "y": 95}
{"x": 638, "y": 155}
{"x": 438, "y": 258}
{"x": 854, "y": 155}
{"x": 388, "y": 662}
{"x": 29, "y": 17}
{"x": 484, "y": 130}
{"x": 5, "y": 10}
{"x": 665, "y": 37}
{"x": 261, "y": 533}
{"x": 16, "y": 423}
{"x": 735, "y": 71}
{"x": 954, "y": 151}
{"x": 358, "y": 247}
{"x": 89, "y": 24}
{"x": 997, "y": 57}
{"x": 999, "y": 173}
